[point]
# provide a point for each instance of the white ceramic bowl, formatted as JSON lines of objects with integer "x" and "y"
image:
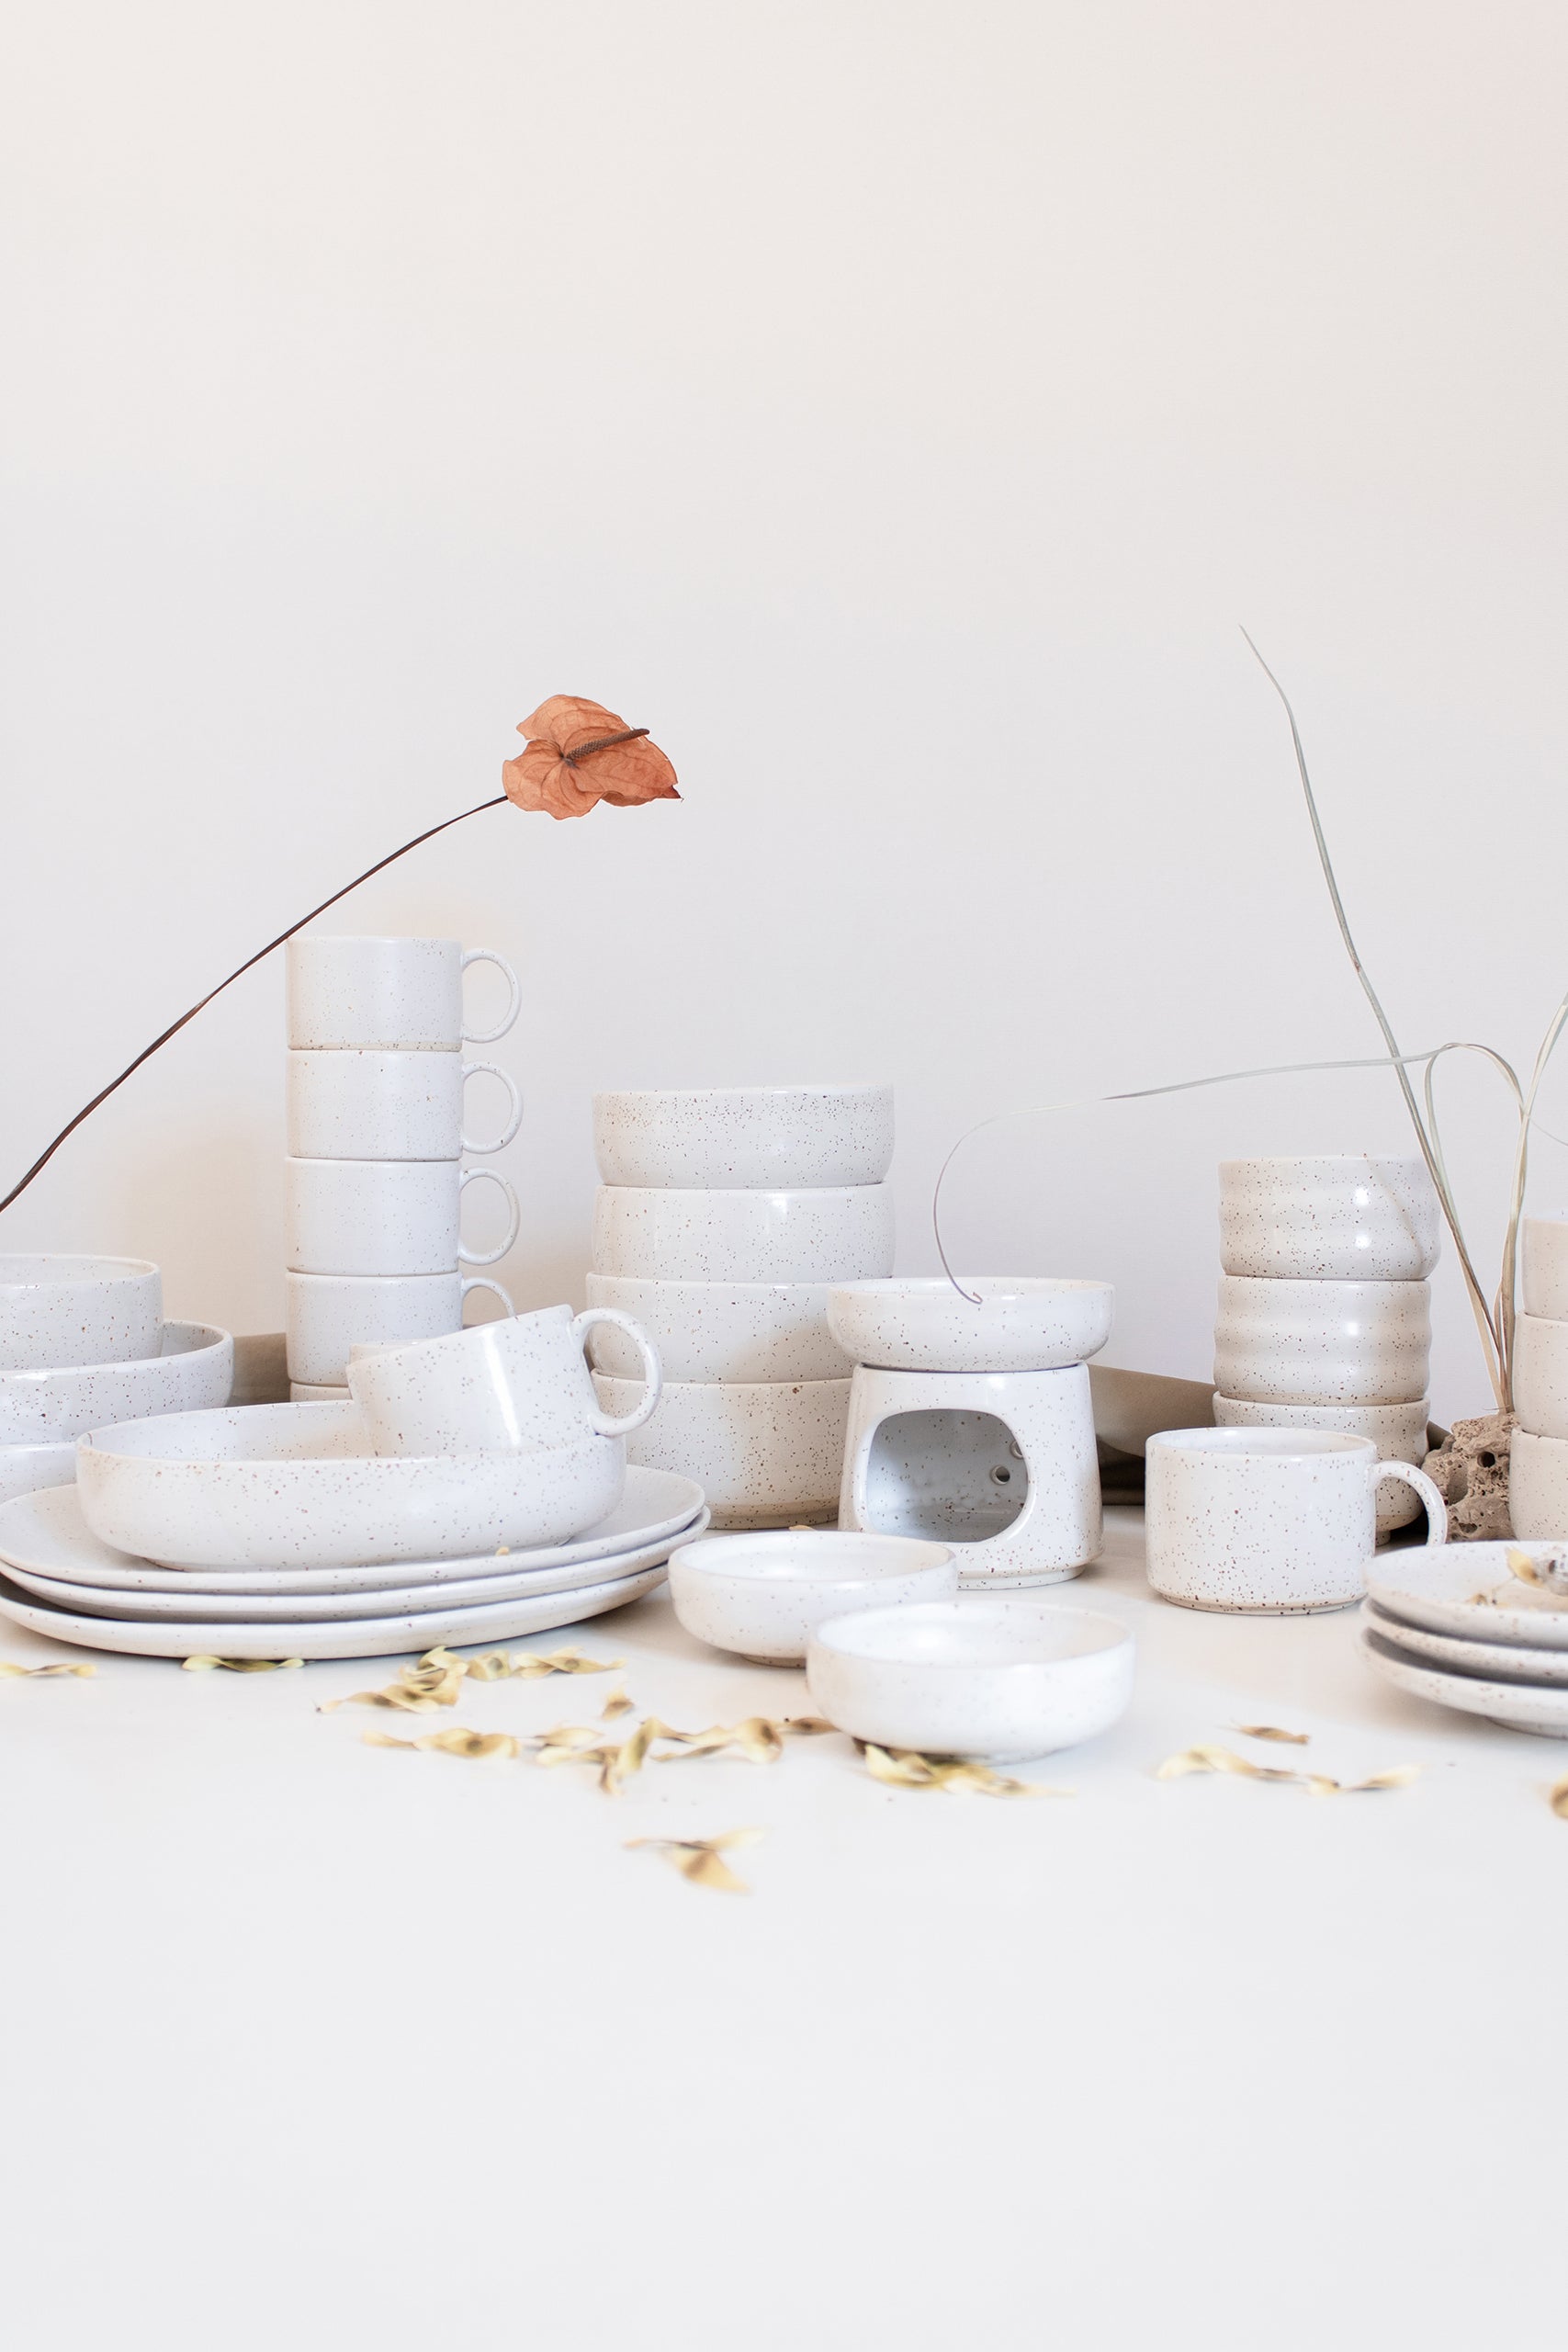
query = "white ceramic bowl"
{"x": 1399, "y": 1432}
{"x": 25, "y": 1468}
{"x": 764, "y": 1452}
{"x": 1538, "y": 1486}
{"x": 835, "y": 1234}
{"x": 1337, "y": 1220}
{"x": 718, "y": 1330}
{"x": 764, "y": 1596}
{"x": 735, "y": 1135}
{"x": 1023, "y": 1323}
{"x": 285, "y": 1485}
{"x": 1540, "y": 1375}
{"x": 194, "y": 1368}
{"x": 1322, "y": 1343}
{"x": 1544, "y": 1250}
{"x": 58, "y": 1311}
{"x": 998, "y": 1680}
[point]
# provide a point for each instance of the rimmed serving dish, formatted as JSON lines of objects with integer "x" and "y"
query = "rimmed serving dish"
{"x": 1021, "y": 1323}
{"x": 190, "y": 1369}
{"x": 763, "y": 1596}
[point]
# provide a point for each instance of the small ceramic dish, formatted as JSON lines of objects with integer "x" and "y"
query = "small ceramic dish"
{"x": 191, "y": 1367}
{"x": 1351, "y": 1218}
{"x": 765, "y": 1452}
{"x": 1498, "y": 1661}
{"x": 1023, "y": 1323}
{"x": 1438, "y": 1586}
{"x": 57, "y": 1311}
{"x": 1518, "y": 1706}
{"x": 998, "y": 1680}
{"x": 764, "y": 1596}
{"x": 1280, "y": 1342}
{"x": 1538, "y": 1486}
{"x": 737, "y": 1331}
{"x": 745, "y": 1136}
{"x": 25, "y": 1468}
{"x": 841, "y": 1233}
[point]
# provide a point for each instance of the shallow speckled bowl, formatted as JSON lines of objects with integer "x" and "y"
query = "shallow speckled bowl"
{"x": 764, "y": 1596}
{"x": 745, "y": 1136}
{"x": 835, "y": 1234}
{"x": 1351, "y": 1218}
{"x": 764, "y": 1452}
{"x": 58, "y": 1310}
{"x": 1323, "y": 1344}
{"x": 195, "y": 1369}
{"x": 1003, "y": 1680}
{"x": 718, "y": 1330}
{"x": 1023, "y": 1323}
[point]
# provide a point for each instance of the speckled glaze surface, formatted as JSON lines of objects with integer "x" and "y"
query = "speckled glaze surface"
{"x": 274, "y": 1486}
{"x": 1323, "y": 1344}
{"x": 1398, "y": 1432}
{"x": 385, "y": 1217}
{"x": 766, "y": 1454}
{"x": 1538, "y": 1486}
{"x": 1498, "y": 1661}
{"x": 1268, "y": 1522}
{"x": 1335, "y": 1219}
{"x": 191, "y": 1366}
{"x": 1517, "y": 1706}
{"x": 397, "y": 995}
{"x": 1436, "y": 1590}
{"x": 744, "y": 1332}
{"x": 359, "y": 1105}
{"x": 1023, "y": 1323}
{"x": 522, "y": 1381}
{"x": 58, "y": 1310}
{"x": 327, "y": 1313}
{"x": 745, "y": 1136}
{"x": 1001, "y": 1465}
{"x": 842, "y": 1234}
{"x": 24, "y": 1469}
{"x": 1540, "y": 1375}
{"x": 764, "y": 1596}
{"x": 1004, "y": 1680}
{"x": 1543, "y": 1253}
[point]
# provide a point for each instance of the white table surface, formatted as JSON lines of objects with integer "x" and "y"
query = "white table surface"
{"x": 307, "y": 2044}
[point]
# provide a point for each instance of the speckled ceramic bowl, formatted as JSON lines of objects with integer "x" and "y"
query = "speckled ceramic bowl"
{"x": 57, "y": 1312}
{"x": 194, "y": 1368}
{"x": 1540, "y": 1375}
{"x": 745, "y": 1136}
{"x": 719, "y": 1330}
{"x": 287, "y": 1486}
{"x": 1335, "y": 1219}
{"x": 1398, "y": 1432}
{"x": 1538, "y": 1486}
{"x": 998, "y": 1680}
{"x": 25, "y": 1468}
{"x": 766, "y": 1454}
{"x": 1323, "y": 1344}
{"x": 1023, "y": 1323}
{"x": 764, "y": 1596}
{"x": 1544, "y": 1256}
{"x": 835, "y": 1234}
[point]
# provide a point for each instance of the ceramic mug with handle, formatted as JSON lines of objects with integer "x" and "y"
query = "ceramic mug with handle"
{"x": 400, "y": 995}
{"x": 361, "y": 1104}
{"x": 497, "y": 1385}
{"x": 327, "y": 1313}
{"x": 384, "y": 1217}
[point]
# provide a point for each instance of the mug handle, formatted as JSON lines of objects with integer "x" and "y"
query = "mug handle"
{"x": 1436, "y": 1508}
{"x": 479, "y": 1176}
{"x": 483, "y": 1281}
{"x": 652, "y": 1370}
{"x": 489, "y": 956}
{"x": 466, "y": 1142}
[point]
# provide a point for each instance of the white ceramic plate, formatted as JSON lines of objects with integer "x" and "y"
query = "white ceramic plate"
{"x": 47, "y": 1537}
{"x": 330, "y": 1608}
{"x": 360, "y": 1637}
{"x": 1435, "y": 1587}
{"x": 1495, "y": 1661}
{"x": 1517, "y": 1706}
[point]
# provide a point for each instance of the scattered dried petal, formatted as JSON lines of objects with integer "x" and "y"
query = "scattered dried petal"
{"x": 1557, "y": 1798}
{"x": 616, "y": 1705}
{"x": 239, "y": 1665}
{"x": 1318, "y": 1784}
{"x": 11, "y": 1672}
{"x": 1520, "y": 1565}
{"x": 1272, "y": 1731}
{"x": 699, "y": 1858}
{"x": 436, "y": 1681}
{"x": 454, "y": 1741}
{"x": 902, "y": 1769}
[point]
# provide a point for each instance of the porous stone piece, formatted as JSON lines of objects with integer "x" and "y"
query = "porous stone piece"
{"x": 1469, "y": 1470}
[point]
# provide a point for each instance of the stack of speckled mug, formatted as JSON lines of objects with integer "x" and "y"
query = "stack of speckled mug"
{"x": 1325, "y": 1314}
{"x": 725, "y": 1216}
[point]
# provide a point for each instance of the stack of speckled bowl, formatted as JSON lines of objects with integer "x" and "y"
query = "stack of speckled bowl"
{"x": 1325, "y": 1317}
{"x": 1537, "y": 1455}
{"x": 725, "y": 1216}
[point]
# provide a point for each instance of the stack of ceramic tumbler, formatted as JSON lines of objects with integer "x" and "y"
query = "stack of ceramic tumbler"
{"x": 1538, "y": 1453}
{"x": 724, "y": 1218}
{"x": 374, "y": 1179}
{"x": 1325, "y": 1320}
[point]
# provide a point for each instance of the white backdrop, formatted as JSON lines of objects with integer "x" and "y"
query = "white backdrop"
{"x": 896, "y": 407}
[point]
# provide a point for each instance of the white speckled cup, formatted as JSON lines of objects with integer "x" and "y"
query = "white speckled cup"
{"x": 1540, "y": 1375}
{"x": 328, "y": 1314}
{"x": 384, "y": 1217}
{"x": 766, "y": 1454}
{"x": 1544, "y": 1251}
{"x": 1399, "y": 1432}
{"x": 1323, "y": 1344}
{"x": 400, "y": 995}
{"x": 1351, "y": 1218}
{"x": 1268, "y": 1522}
{"x": 358, "y": 1105}
{"x": 745, "y": 1136}
{"x": 834, "y": 1233}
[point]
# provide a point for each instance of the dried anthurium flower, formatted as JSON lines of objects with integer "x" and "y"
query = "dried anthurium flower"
{"x": 578, "y": 753}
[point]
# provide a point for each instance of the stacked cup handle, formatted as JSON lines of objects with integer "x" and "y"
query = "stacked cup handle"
{"x": 652, "y": 1370}
{"x": 479, "y": 1176}
{"x": 499, "y": 1142}
{"x": 489, "y": 956}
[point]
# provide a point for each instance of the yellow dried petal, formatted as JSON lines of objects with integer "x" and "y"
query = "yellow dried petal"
{"x": 757, "y": 1739}
{"x": 804, "y": 1727}
{"x": 493, "y": 1666}
{"x": 699, "y": 1860}
{"x": 1520, "y": 1565}
{"x": 1398, "y": 1777}
{"x": 1219, "y": 1759}
{"x": 239, "y": 1665}
{"x": 614, "y": 1706}
{"x": 1272, "y": 1731}
{"x": 456, "y": 1741}
{"x": 11, "y": 1672}
{"x": 902, "y": 1769}
{"x": 528, "y": 1664}
{"x": 1558, "y": 1798}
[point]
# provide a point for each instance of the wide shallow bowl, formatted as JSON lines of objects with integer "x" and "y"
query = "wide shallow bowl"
{"x": 193, "y": 1368}
{"x": 274, "y": 1486}
{"x": 1538, "y": 1486}
{"x": 1439, "y": 1588}
{"x": 57, "y": 1310}
{"x": 1399, "y": 1432}
{"x": 756, "y": 1136}
{"x": 1540, "y": 1375}
{"x": 1023, "y": 1323}
{"x": 764, "y": 1452}
{"x": 1518, "y": 1706}
{"x": 764, "y": 1596}
{"x": 837, "y": 1234}
{"x": 1330, "y": 1219}
{"x": 25, "y": 1468}
{"x": 1323, "y": 1344}
{"x": 998, "y": 1680}
{"x": 1495, "y": 1661}
{"x": 1544, "y": 1254}
{"x": 718, "y": 1330}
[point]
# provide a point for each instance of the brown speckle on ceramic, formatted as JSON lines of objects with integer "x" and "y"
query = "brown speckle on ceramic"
{"x": 58, "y": 1311}
{"x": 1323, "y": 1344}
{"x": 730, "y": 1136}
{"x": 733, "y": 1331}
{"x": 192, "y": 1368}
{"x": 832, "y": 1234}
{"x": 1352, "y": 1219}
{"x": 763, "y": 1453}
{"x": 1399, "y": 1432}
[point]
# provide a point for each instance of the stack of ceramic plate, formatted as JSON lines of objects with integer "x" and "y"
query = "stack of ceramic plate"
{"x": 1454, "y": 1624}
{"x": 275, "y": 1531}
{"x": 82, "y": 1343}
